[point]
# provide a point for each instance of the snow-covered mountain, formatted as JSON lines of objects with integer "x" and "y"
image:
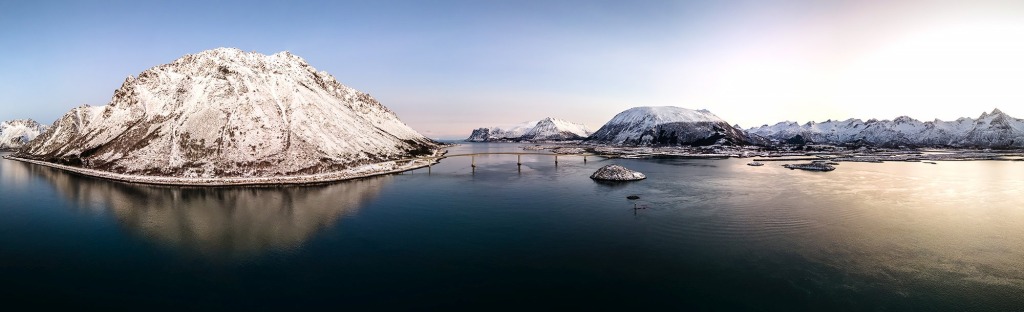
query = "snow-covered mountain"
{"x": 990, "y": 130}
{"x": 501, "y": 133}
{"x": 547, "y": 129}
{"x": 667, "y": 125}
{"x": 229, "y": 113}
{"x": 16, "y": 133}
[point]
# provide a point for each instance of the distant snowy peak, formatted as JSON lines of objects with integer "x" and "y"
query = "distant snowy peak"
{"x": 501, "y": 133}
{"x": 653, "y": 115}
{"x": 229, "y": 113}
{"x": 16, "y": 133}
{"x": 990, "y": 130}
{"x": 547, "y": 129}
{"x": 553, "y": 129}
{"x": 667, "y": 125}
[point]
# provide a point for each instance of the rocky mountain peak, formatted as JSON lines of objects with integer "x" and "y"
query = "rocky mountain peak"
{"x": 16, "y": 133}
{"x": 904, "y": 119}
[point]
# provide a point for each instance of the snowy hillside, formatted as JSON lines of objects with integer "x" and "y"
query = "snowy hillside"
{"x": 547, "y": 129}
{"x": 995, "y": 129}
{"x": 667, "y": 125}
{"x": 16, "y": 133}
{"x": 229, "y": 113}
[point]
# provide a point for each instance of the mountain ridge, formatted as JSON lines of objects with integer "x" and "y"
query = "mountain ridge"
{"x": 993, "y": 129}
{"x": 228, "y": 113}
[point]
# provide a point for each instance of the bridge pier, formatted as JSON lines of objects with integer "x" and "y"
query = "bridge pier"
{"x": 519, "y": 158}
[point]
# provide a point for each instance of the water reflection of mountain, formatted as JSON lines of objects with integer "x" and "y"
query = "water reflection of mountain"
{"x": 219, "y": 222}
{"x": 13, "y": 172}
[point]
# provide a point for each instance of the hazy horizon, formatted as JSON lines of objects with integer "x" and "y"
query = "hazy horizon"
{"x": 449, "y": 67}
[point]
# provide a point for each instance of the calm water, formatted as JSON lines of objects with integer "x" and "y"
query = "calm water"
{"x": 716, "y": 235}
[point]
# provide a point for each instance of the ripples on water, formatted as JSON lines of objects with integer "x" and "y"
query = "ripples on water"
{"x": 715, "y": 234}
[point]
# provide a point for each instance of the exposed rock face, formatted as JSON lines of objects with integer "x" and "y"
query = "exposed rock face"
{"x": 229, "y": 113}
{"x": 16, "y": 133}
{"x": 813, "y": 166}
{"x": 990, "y": 130}
{"x": 667, "y": 125}
{"x": 547, "y": 129}
{"x": 617, "y": 173}
{"x": 479, "y": 135}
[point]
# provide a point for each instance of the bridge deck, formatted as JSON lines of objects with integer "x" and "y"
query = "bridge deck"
{"x": 431, "y": 159}
{"x": 514, "y": 153}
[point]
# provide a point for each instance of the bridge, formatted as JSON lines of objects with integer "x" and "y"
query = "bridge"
{"x": 519, "y": 157}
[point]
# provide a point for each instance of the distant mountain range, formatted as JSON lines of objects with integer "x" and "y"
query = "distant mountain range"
{"x": 676, "y": 126}
{"x": 990, "y": 130}
{"x": 547, "y": 129}
{"x": 16, "y": 133}
{"x": 638, "y": 126}
{"x": 229, "y": 113}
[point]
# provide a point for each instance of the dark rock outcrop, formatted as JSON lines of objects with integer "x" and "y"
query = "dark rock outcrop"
{"x": 617, "y": 173}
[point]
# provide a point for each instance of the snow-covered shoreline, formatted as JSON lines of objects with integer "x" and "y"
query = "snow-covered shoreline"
{"x": 382, "y": 168}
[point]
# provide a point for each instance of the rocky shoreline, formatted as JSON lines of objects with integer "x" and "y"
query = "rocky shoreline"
{"x": 382, "y": 168}
{"x": 758, "y": 154}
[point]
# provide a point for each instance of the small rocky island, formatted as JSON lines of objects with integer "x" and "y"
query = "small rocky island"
{"x": 813, "y": 166}
{"x": 617, "y": 173}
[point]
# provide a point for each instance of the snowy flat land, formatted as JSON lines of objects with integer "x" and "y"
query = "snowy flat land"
{"x": 381, "y": 168}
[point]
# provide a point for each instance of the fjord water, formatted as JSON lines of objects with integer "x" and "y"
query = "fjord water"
{"x": 714, "y": 235}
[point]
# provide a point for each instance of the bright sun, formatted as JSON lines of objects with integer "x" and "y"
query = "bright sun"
{"x": 976, "y": 66}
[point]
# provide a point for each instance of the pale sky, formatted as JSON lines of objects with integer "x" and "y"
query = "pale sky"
{"x": 446, "y": 67}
